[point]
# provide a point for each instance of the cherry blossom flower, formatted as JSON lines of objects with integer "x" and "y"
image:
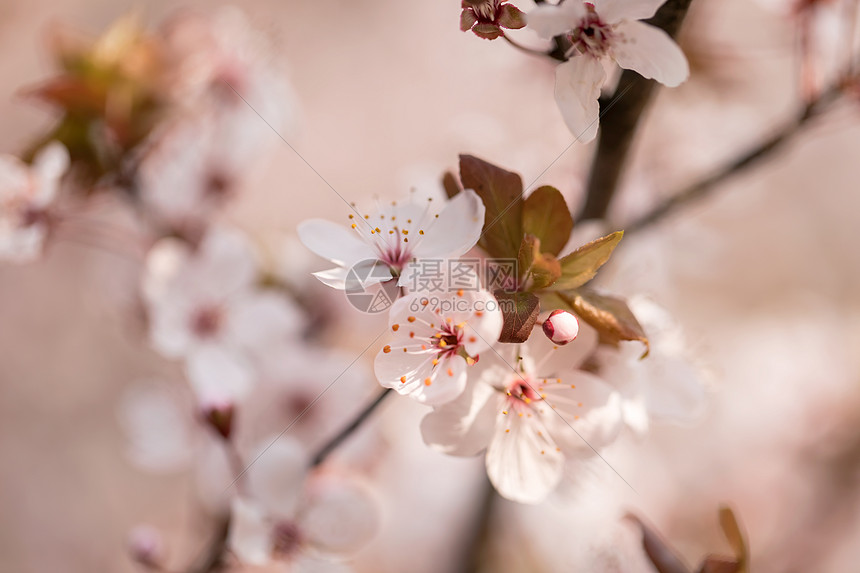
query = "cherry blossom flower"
{"x": 307, "y": 522}
{"x": 221, "y": 62}
{"x": 668, "y": 386}
{"x": 395, "y": 237}
{"x": 190, "y": 173}
{"x": 486, "y": 18}
{"x": 166, "y": 433}
{"x": 435, "y": 340}
{"x": 530, "y": 418}
{"x": 599, "y": 31}
{"x": 206, "y": 307}
{"x": 26, "y": 193}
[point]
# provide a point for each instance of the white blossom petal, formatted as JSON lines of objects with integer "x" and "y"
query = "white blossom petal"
{"x": 523, "y": 463}
{"x": 262, "y": 318}
{"x": 549, "y": 20}
{"x": 275, "y": 479}
{"x": 613, "y": 11}
{"x": 340, "y": 245}
{"x": 334, "y": 278}
{"x": 584, "y": 413}
{"x": 226, "y": 263}
{"x": 304, "y": 563}
{"x": 338, "y": 516}
{"x": 651, "y": 52}
{"x": 50, "y": 164}
{"x": 577, "y": 88}
{"x": 465, "y": 426}
{"x": 157, "y": 429}
{"x": 455, "y": 231}
{"x": 250, "y": 536}
{"x": 219, "y": 374}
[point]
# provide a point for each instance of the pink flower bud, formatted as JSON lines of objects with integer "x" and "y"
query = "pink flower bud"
{"x": 219, "y": 416}
{"x": 146, "y": 546}
{"x": 561, "y": 327}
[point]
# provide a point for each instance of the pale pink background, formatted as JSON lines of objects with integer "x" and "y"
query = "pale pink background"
{"x": 764, "y": 277}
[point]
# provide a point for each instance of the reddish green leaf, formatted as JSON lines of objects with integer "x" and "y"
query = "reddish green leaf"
{"x": 732, "y": 531}
{"x": 657, "y": 550}
{"x": 512, "y": 17}
{"x": 580, "y": 266}
{"x": 502, "y": 194}
{"x": 610, "y": 315}
{"x": 450, "y": 184}
{"x": 520, "y": 311}
{"x": 467, "y": 20}
{"x": 487, "y": 31}
{"x": 719, "y": 565}
{"x": 537, "y": 270}
{"x": 545, "y": 215}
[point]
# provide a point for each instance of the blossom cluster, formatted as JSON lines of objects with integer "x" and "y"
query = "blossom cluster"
{"x": 488, "y": 312}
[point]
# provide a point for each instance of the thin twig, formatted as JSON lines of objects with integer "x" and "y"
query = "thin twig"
{"x": 525, "y": 49}
{"x": 475, "y": 551}
{"x": 617, "y": 129}
{"x": 212, "y": 558}
{"x": 332, "y": 444}
{"x": 751, "y": 157}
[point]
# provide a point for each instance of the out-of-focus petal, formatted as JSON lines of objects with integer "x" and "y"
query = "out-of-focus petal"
{"x": 219, "y": 374}
{"x": 338, "y": 516}
{"x": 49, "y": 165}
{"x": 157, "y": 428}
{"x": 275, "y": 479}
{"x": 250, "y": 536}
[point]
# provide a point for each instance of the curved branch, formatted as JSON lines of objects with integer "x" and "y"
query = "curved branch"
{"x": 336, "y": 441}
{"x": 617, "y": 129}
{"x": 752, "y": 156}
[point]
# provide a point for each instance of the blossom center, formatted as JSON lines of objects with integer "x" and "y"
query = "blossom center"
{"x": 520, "y": 391}
{"x": 206, "y": 322}
{"x": 487, "y": 11}
{"x": 287, "y": 539}
{"x": 593, "y": 36}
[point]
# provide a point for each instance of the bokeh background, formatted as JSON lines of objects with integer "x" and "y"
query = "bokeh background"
{"x": 763, "y": 275}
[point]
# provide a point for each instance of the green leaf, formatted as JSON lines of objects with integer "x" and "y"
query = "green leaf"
{"x": 580, "y": 266}
{"x": 537, "y": 270}
{"x": 502, "y": 194}
{"x": 610, "y": 315}
{"x": 545, "y": 215}
{"x": 520, "y": 311}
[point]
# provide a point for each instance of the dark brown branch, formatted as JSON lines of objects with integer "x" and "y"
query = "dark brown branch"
{"x": 475, "y": 550}
{"x": 753, "y": 156}
{"x": 617, "y": 129}
{"x": 213, "y": 558}
{"x": 347, "y": 431}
